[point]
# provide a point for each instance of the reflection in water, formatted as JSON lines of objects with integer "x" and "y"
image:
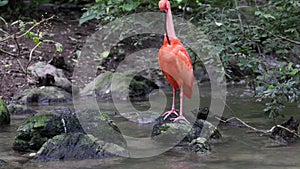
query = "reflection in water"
{"x": 240, "y": 149}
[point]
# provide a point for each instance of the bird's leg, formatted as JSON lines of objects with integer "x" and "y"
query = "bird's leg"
{"x": 180, "y": 117}
{"x": 173, "y": 110}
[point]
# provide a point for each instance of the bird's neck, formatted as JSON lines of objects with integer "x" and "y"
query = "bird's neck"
{"x": 170, "y": 25}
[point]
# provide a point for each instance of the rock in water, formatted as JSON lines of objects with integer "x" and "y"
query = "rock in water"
{"x": 283, "y": 136}
{"x": 4, "y": 113}
{"x": 17, "y": 109}
{"x": 194, "y": 137}
{"x": 42, "y": 96}
{"x": 36, "y": 130}
{"x": 125, "y": 85}
{"x": 79, "y": 146}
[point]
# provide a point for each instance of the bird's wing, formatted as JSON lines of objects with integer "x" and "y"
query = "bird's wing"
{"x": 185, "y": 70}
{"x": 175, "y": 61}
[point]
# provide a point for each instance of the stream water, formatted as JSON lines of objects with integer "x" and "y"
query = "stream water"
{"x": 239, "y": 148}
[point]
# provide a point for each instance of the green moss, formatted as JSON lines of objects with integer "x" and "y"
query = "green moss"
{"x": 4, "y": 113}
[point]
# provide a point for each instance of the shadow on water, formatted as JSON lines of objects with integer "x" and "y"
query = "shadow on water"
{"x": 239, "y": 149}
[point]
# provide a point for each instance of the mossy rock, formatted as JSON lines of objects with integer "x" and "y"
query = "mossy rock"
{"x": 195, "y": 137}
{"x": 99, "y": 124}
{"x": 126, "y": 85}
{"x": 45, "y": 95}
{"x": 79, "y": 146}
{"x": 18, "y": 109}
{"x": 4, "y": 113}
{"x": 36, "y": 130}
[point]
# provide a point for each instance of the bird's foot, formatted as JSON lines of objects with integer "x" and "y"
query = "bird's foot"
{"x": 181, "y": 117}
{"x": 168, "y": 113}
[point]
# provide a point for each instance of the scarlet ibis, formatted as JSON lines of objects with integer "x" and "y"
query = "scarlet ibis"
{"x": 175, "y": 63}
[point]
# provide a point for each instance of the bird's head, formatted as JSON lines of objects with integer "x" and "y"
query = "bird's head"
{"x": 164, "y": 5}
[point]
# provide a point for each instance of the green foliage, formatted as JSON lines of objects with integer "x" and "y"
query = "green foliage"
{"x": 31, "y": 30}
{"x": 107, "y": 10}
{"x": 3, "y": 2}
{"x": 257, "y": 40}
{"x": 262, "y": 41}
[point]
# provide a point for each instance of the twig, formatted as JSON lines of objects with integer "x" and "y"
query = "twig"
{"x": 35, "y": 25}
{"x": 239, "y": 15}
{"x": 291, "y": 131}
{"x": 30, "y": 55}
{"x": 278, "y": 36}
{"x": 244, "y": 123}
{"x": 8, "y": 53}
{"x": 258, "y": 130}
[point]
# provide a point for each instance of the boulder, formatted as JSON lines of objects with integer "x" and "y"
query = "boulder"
{"x": 100, "y": 125}
{"x": 17, "y": 109}
{"x": 48, "y": 75}
{"x": 126, "y": 85}
{"x": 4, "y": 113}
{"x": 194, "y": 137}
{"x": 36, "y": 130}
{"x": 44, "y": 95}
{"x": 77, "y": 146}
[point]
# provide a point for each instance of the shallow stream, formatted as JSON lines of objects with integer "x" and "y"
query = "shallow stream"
{"x": 239, "y": 149}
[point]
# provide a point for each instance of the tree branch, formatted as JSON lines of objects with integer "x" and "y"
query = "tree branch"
{"x": 258, "y": 130}
{"x": 278, "y": 36}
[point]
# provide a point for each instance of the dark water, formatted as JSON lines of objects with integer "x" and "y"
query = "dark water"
{"x": 240, "y": 147}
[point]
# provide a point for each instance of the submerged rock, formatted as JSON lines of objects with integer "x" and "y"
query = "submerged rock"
{"x": 282, "y": 136}
{"x": 42, "y": 96}
{"x": 143, "y": 117}
{"x": 100, "y": 125}
{"x": 199, "y": 146}
{"x": 36, "y": 130}
{"x": 195, "y": 137}
{"x": 48, "y": 75}
{"x": 4, "y": 113}
{"x": 77, "y": 146}
{"x": 125, "y": 85}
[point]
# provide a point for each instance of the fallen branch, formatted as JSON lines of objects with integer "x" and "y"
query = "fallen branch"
{"x": 241, "y": 121}
{"x": 255, "y": 129}
{"x": 291, "y": 131}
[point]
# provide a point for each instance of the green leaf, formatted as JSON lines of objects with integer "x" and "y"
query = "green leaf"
{"x": 36, "y": 40}
{"x": 100, "y": 67}
{"x": 3, "y": 2}
{"x": 218, "y": 23}
{"x": 78, "y": 53}
{"x": 88, "y": 15}
{"x": 293, "y": 72}
{"x": 128, "y": 7}
{"x": 271, "y": 86}
{"x": 58, "y": 47}
{"x": 105, "y": 54}
{"x": 290, "y": 66}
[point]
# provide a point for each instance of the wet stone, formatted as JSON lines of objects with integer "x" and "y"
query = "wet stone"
{"x": 77, "y": 146}
{"x": 4, "y": 113}
{"x": 36, "y": 130}
{"x": 3, "y": 163}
